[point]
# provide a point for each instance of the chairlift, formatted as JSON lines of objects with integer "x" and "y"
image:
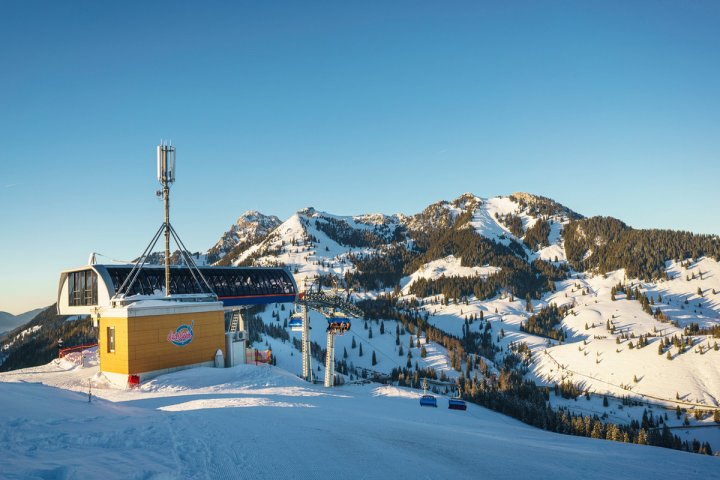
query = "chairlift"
{"x": 427, "y": 400}
{"x": 296, "y": 322}
{"x": 457, "y": 403}
{"x": 338, "y": 323}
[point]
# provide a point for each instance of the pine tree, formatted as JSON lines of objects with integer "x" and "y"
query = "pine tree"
{"x": 345, "y": 354}
{"x": 370, "y": 333}
{"x": 374, "y": 358}
{"x": 382, "y": 327}
{"x": 354, "y": 345}
{"x": 360, "y": 352}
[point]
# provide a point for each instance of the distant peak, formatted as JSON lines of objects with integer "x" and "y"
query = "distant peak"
{"x": 466, "y": 197}
{"x": 307, "y": 211}
{"x": 254, "y": 216}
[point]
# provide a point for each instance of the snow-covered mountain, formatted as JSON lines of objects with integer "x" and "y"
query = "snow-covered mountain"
{"x": 250, "y": 228}
{"x": 501, "y": 219}
{"x": 483, "y": 293}
{"x": 500, "y": 265}
{"x": 8, "y": 321}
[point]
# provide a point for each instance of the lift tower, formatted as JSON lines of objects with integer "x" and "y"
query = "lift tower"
{"x": 330, "y": 305}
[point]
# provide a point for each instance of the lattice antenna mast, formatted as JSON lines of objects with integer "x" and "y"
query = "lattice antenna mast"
{"x": 166, "y": 177}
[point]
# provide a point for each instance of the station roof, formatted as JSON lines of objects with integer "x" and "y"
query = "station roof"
{"x": 234, "y": 286}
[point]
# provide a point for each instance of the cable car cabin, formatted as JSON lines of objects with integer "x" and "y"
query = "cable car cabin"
{"x": 144, "y": 333}
{"x": 295, "y": 323}
{"x": 428, "y": 401}
{"x": 83, "y": 289}
{"x": 457, "y": 404}
{"x": 338, "y": 323}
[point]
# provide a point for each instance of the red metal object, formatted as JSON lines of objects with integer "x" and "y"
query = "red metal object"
{"x": 65, "y": 351}
{"x": 133, "y": 380}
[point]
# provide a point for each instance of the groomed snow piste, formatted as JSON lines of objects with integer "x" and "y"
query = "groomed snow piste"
{"x": 263, "y": 422}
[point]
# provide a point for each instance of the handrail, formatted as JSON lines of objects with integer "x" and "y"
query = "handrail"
{"x": 64, "y": 351}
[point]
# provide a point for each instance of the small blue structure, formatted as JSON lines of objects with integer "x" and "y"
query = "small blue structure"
{"x": 457, "y": 404}
{"x": 295, "y": 323}
{"x": 428, "y": 401}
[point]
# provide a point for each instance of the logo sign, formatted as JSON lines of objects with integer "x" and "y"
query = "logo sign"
{"x": 182, "y": 335}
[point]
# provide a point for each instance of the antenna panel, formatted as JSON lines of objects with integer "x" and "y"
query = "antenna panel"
{"x": 165, "y": 164}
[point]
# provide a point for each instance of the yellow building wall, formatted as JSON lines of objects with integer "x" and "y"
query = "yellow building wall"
{"x": 142, "y": 345}
{"x": 116, "y": 362}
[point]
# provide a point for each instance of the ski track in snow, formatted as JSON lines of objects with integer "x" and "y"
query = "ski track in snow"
{"x": 364, "y": 432}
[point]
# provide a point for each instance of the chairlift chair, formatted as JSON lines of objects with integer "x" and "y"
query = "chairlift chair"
{"x": 296, "y": 322}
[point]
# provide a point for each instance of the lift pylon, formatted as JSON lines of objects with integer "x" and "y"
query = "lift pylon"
{"x": 306, "y": 358}
{"x": 328, "y": 304}
{"x": 330, "y": 359}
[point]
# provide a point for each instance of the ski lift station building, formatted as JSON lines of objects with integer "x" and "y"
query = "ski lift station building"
{"x": 143, "y": 333}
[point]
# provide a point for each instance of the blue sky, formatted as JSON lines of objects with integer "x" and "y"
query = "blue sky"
{"x": 610, "y": 108}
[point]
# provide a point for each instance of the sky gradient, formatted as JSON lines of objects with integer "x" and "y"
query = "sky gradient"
{"x": 611, "y": 108}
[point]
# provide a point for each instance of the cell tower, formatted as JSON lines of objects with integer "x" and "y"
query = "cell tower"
{"x": 166, "y": 177}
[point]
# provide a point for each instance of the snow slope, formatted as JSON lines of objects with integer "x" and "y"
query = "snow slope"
{"x": 262, "y": 422}
{"x": 449, "y": 266}
{"x": 604, "y": 361}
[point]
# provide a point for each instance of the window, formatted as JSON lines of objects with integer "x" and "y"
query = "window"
{"x": 110, "y": 339}
{"x": 82, "y": 288}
